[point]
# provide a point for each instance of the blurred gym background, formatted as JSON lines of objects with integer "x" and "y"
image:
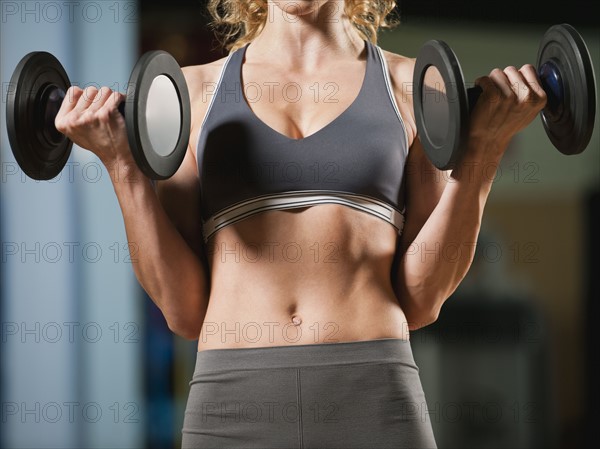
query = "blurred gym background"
{"x": 86, "y": 358}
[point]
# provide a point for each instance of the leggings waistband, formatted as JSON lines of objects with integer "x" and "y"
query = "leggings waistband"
{"x": 385, "y": 350}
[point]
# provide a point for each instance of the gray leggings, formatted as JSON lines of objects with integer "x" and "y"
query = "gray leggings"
{"x": 359, "y": 394}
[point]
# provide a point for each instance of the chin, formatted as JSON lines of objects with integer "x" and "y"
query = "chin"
{"x": 298, "y": 7}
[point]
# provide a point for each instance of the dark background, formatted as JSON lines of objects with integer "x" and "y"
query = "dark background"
{"x": 532, "y": 353}
{"x": 180, "y": 28}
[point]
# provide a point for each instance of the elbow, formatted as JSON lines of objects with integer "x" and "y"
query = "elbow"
{"x": 187, "y": 330}
{"x": 421, "y": 310}
{"x": 418, "y": 316}
{"x": 185, "y": 316}
{"x": 422, "y": 303}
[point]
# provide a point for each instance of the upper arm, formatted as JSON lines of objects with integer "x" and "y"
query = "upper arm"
{"x": 179, "y": 195}
{"x": 424, "y": 187}
{"x": 423, "y": 182}
{"x": 180, "y": 198}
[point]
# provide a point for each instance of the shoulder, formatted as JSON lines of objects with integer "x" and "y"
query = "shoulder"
{"x": 200, "y": 78}
{"x": 399, "y": 64}
{"x": 201, "y": 82}
{"x": 401, "y": 69}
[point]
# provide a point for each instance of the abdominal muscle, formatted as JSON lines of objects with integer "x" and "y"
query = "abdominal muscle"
{"x": 318, "y": 274}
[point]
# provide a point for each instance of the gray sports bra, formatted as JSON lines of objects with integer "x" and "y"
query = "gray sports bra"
{"x": 357, "y": 160}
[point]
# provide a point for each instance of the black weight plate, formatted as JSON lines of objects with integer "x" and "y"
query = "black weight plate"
{"x": 442, "y": 134}
{"x": 155, "y": 162}
{"x": 570, "y": 132}
{"x": 39, "y": 149}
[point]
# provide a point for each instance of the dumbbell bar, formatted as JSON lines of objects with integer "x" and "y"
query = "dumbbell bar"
{"x": 566, "y": 74}
{"x": 156, "y": 110}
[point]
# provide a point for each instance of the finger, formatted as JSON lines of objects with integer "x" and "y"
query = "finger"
{"x": 86, "y": 99}
{"x": 503, "y": 83}
{"x": 112, "y": 103}
{"x": 518, "y": 83}
{"x": 102, "y": 97}
{"x": 72, "y": 96}
{"x": 489, "y": 89}
{"x": 70, "y": 101}
{"x": 530, "y": 74}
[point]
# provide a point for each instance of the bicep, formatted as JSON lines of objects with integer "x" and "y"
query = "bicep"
{"x": 424, "y": 185}
{"x": 423, "y": 182}
{"x": 180, "y": 197}
{"x": 180, "y": 194}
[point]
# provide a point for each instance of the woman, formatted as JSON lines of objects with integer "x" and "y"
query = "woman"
{"x": 302, "y": 238}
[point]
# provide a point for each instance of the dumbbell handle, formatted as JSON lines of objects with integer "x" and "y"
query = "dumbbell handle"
{"x": 549, "y": 75}
{"x": 51, "y": 99}
{"x": 473, "y": 94}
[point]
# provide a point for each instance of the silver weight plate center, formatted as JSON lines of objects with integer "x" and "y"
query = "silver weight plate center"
{"x": 163, "y": 115}
{"x": 436, "y": 110}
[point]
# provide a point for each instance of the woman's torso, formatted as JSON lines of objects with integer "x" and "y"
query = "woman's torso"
{"x": 318, "y": 274}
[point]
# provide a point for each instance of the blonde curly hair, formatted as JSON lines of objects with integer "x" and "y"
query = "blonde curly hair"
{"x": 237, "y": 22}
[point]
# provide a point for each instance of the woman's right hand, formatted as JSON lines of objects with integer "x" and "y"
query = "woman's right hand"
{"x": 91, "y": 119}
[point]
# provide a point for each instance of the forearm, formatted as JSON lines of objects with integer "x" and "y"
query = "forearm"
{"x": 434, "y": 264}
{"x": 166, "y": 267}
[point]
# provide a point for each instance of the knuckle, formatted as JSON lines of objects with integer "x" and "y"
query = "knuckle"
{"x": 510, "y": 95}
{"x": 528, "y": 68}
{"x": 103, "y": 115}
{"x": 541, "y": 100}
{"x": 59, "y": 124}
{"x": 99, "y": 96}
{"x": 74, "y": 123}
{"x": 484, "y": 81}
{"x": 104, "y": 92}
{"x": 90, "y": 92}
{"x": 117, "y": 97}
{"x": 81, "y": 100}
{"x": 113, "y": 95}
{"x": 510, "y": 68}
{"x": 66, "y": 126}
{"x": 529, "y": 95}
{"x": 80, "y": 121}
{"x": 73, "y": 93}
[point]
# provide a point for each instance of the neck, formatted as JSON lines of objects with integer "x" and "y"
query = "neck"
{"x": 305, "y": 34}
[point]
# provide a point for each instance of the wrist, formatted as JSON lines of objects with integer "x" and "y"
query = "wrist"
{"x": 124, "y": 170}
{"x": 486, "y": 146}
{"x": 475, "y": 177}
{"x": 480, "y": 160}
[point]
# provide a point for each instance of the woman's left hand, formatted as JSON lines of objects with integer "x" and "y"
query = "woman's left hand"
{"x": 510, "y": 101}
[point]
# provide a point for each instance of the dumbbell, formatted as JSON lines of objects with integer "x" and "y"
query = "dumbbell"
{"x": 566, "y": 74}
{"x": 156, "y": 110}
